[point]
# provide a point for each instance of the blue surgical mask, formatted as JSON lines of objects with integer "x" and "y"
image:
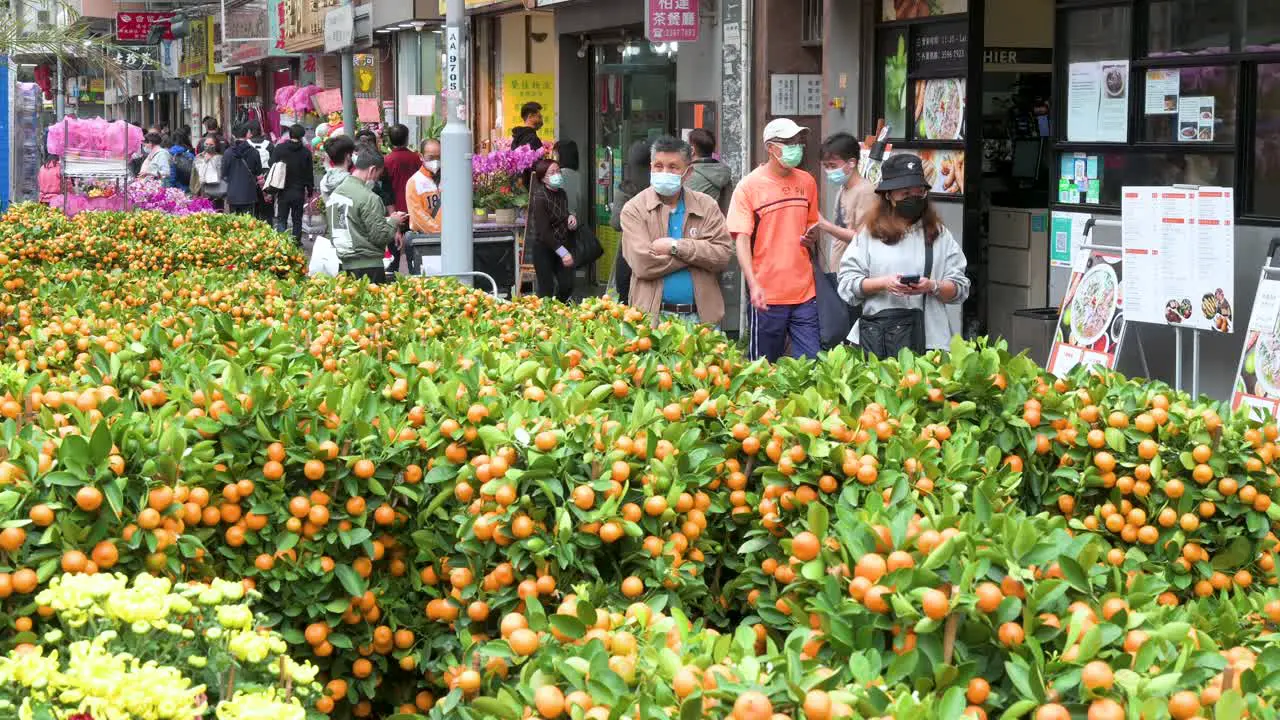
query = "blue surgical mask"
{"x": 839, "y": 176}
{"x": 555, "y": 182}
{"x": 666, "y": 184}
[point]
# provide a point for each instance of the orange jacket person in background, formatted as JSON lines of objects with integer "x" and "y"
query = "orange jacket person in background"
{"x": 422, "y": 192}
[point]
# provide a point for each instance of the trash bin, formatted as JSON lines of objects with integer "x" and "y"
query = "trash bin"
{"x": 1033, "y": 331}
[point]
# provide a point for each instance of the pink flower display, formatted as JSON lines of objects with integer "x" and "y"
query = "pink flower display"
{"x": 498, "y": 176}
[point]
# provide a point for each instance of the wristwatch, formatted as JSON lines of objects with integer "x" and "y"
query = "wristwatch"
{"x": 675, "y": 248}
{"x": 937, "y": 289}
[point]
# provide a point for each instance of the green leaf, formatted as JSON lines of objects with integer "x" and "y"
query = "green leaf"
{"x": 953, "y": 703}
{"x": 568, "y": 625}
{"x": 1229, "y": 707}
{"x": 1018, "y": 709}
{"x": 818, "y": 519}
{"x": 351, "y": 581}
{"x": 492, "y": 707}
{"x": 1075, "y": 574}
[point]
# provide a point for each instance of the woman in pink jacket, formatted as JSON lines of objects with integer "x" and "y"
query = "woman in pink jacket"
{"x": 49, "y": 180}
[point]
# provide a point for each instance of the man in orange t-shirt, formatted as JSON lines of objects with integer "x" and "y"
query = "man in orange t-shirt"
{"x": 772, "y": 218}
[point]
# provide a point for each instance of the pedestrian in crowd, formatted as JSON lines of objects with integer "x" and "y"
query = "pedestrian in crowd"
{"x": 854, "y": 197}
{"x": 259, "y": 141}
{"x": 156, "y": 160}
{"x": 367, "y": 138}
{"x": 358, "y": 222}
{"x": 338, "y": 151}
{"x": 904, "y": 261}
{"x": 49, "y": 180}
{"x": 402, "y": 164}
{"x": 209, "y": 125}
{"x": 182, "y": 159}
{"x": 773, "y": 218}
{"x": 241, "y": 168}
{"x": 422, "y": 191}
{"x": 422, "y": 196}
{"x": 550, "y": 225}
{"x": 635, "y": 178}
{"x": 566, "y": 154}
{"x": 206, "y": 172}
{"x": 709, "y": 176}
{"x": 526, "y": 135}
{"x": 299, "y": 181}
{"x": 675, "y": 240}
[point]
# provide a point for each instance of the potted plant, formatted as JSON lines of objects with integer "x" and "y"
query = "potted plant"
{"x": 499, "y": 181}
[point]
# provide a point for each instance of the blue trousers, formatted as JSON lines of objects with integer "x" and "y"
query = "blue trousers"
{"x": 771, "y": 328}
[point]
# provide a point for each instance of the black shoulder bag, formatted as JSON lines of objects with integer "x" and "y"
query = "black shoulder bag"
{"x": 888, "y": 332}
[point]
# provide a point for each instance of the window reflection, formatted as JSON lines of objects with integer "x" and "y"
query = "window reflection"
{"x": 1218, "y": 82}
{"x": 1190, "y": 27}
{"x": 1262, "y": 30}
{"x": 1266, "y": 176}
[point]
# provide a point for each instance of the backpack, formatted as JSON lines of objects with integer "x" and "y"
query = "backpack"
{"x": 182, "y": 166}
{"x": 264, "y": 152}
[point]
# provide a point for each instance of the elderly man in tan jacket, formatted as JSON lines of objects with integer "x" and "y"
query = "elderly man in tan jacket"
{"x": 676, "y": 242}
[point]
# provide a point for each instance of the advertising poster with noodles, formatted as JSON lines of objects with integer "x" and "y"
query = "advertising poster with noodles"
{"x": 1091, "y": 321}
{"x": 1258, "y": 375}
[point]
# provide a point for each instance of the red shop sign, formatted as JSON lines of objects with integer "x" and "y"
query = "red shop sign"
{"x": 135, "y": 26}
{"x": 671, "y": 20}
{"x": 246, "y": 86}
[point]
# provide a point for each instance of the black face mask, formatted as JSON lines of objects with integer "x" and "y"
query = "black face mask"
{"x": 911, "y": 209}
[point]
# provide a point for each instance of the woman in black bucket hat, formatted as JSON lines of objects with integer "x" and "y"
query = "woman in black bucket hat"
{"x": 905, "y": 267}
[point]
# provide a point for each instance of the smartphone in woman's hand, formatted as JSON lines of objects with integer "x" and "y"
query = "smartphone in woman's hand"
{"x": 910, "y": 280}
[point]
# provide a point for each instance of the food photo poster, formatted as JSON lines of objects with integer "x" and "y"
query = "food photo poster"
{"x": 1091, "y": 321}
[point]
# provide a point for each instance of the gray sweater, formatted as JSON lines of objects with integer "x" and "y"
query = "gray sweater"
{"x": 868, "y": 257}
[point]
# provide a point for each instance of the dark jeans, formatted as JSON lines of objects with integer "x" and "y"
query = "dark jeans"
{"x": 289, "y": 208}
{"x": 243, "y": 209}
{"x": 376, "y": 276}
{"x": 771, "y": 328}
{"x": 554, "y": 280}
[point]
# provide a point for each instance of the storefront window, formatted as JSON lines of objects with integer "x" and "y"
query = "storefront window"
{"x": 893, "y": 79}
{"x": 1097, "y": 34}
{"x": 939, "y": 109}
{"x": 1116, "y": 170}
{"x": 1190, "y": 27}
{"x": 1262, "y": 29}
{"x": 1202, "y": 110}
{"x": 914, "y": 9}
{"x": 1266, "y": 171}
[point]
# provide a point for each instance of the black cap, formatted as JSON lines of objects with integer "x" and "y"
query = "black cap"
{"x": 901, "y": 171}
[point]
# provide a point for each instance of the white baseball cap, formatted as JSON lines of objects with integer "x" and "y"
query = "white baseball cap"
{"x": 783, "y": 129}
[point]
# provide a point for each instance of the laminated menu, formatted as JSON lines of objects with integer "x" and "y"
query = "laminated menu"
{"x": 1179, "y": 255}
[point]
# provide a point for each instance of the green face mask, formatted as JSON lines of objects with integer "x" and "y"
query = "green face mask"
{"x": 792, "y": 155}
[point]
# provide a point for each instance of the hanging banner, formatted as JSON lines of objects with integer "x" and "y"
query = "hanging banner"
{"x": 195, "y": 50}
{"x": 5, "y": 101}
{"x": 276, "y": 23}
{"x": 1091, "y": 321}
{"x": 245, "y": 23}
{"x": 171, "y": 58}
{"x": 521, "y": 88}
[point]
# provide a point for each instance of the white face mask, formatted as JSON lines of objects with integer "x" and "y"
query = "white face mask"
{"x": 433, "y": 165}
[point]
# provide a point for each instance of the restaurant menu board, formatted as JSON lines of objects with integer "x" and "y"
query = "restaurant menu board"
{"x": 1098, "y": 101}
{"x": 1180, "y": 257}
{"x": 1091, "y": 321}
{"x": 1258, "y": 376}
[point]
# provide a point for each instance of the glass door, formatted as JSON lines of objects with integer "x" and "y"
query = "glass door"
{"x": 633, "y": 102}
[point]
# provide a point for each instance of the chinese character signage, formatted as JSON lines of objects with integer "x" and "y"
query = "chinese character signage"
{"x": 671, "y": 20}
{"x": 195, "y": 49}
{"x": 135, "y": 26}
{"x": 276, "y": 23}
{"x": 521, "y": 88}
{"x": 940, "y": 50}
{"x": 243, "y": 24}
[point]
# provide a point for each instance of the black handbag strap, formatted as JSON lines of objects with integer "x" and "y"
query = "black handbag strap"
{"x": 928, "y": 269}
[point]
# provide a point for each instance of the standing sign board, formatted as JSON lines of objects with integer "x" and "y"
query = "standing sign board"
{"x": 1179, "y": 250}
{"x": 671, "y": 20}
{"x": 1258, "y": 375}
{"x": 1091, "y": 322}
